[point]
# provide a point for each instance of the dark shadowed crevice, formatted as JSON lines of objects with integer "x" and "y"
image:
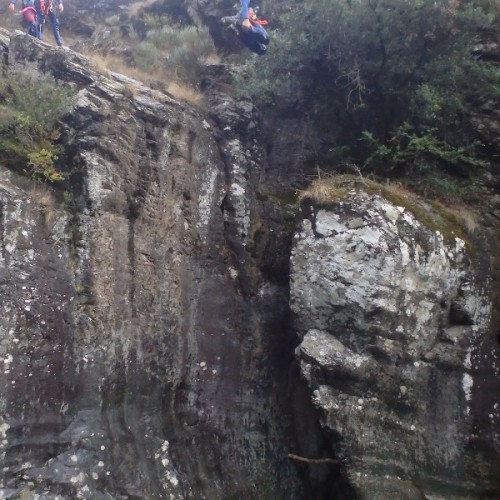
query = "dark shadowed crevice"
{"x": 2, "y": 229}
{"x": 132, "y": 266}
{"x": 322, "y": 481}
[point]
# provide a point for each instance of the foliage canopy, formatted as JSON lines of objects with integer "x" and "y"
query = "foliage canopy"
{"x": 400, "y": 73}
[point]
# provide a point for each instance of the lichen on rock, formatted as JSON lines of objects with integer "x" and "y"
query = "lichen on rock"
{"x": 389, "y": 366}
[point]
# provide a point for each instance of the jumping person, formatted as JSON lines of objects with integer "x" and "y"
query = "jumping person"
{"x": 249, "y": 29}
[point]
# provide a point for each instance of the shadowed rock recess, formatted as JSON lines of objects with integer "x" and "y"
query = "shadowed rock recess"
{"x": 164, "y": 335}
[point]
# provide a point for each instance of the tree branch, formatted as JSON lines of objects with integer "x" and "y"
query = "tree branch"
{"x": 313, "y": 460}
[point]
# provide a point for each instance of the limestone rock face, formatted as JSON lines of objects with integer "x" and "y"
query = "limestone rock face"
{"x": 139, "y": 340}
{"x": 396, "y": 351}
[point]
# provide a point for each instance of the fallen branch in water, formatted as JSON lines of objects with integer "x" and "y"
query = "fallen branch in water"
{"x": 313, "y": 460}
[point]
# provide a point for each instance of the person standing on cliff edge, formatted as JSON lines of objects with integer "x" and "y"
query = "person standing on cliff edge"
{"x": 30, "y": 15}
{"x": 45, "y": 9}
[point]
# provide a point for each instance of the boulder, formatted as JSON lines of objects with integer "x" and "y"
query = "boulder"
{"x": 396, "y": 349}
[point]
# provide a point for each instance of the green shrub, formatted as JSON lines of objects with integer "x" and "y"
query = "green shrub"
{"x": 447, "y": 189}
{"x": 147, "y": 57}
{"x": 180, "y": 51}
{"x": 30, "y": 109}
{"x": 373, "y": 66}
{"x": 156, "y": 21}
{"x": 43, "y": 99}
{"x": 42, "y": 165}
{"x": 424, "y": 151}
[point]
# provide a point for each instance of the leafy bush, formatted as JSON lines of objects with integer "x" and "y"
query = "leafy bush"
{"x": 42, "y": 165}
{"x": 30, "y": 109}
{"x": 181, "y": 51}
{"x": 147, "y": 57}
{"x": 446, "y": 188}
{"x": 422, "y": 151}
{"x": 41, "y": 98}
{"x": 373, "y": 66}
{"x": 155, "y": 21}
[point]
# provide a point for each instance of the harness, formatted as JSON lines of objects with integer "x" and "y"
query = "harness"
{"x": 252, "y": 17}
{"x": 46, "y": 6}
{"x": 34, "y": 7}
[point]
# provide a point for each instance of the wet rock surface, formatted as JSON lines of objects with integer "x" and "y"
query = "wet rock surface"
{"x": 140, "y": 339}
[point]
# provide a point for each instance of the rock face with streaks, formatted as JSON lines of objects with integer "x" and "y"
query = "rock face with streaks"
{"x": 140, "y": 341}
{"x": 146, "y": 349}
{"x": 396, "y": 349}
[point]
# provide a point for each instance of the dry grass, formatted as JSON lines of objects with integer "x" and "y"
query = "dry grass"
{"x": 469, "y": 218}
{"x": 433, "y": 214}
{"x": 46, "y": 201}
{"x": 105, "y": 64}
{"x": 129, "y": 90}
{"x": 11, "y": 22}
{"x": 184, "y": 93}
{"x": 213, "y": 59}
{"x": 8, "y": 20}
{"x": 135, "y": 8}
{"x": 69, "y": 40}
{"x": 327, "y": 189}
{"x": 451, "y": 222}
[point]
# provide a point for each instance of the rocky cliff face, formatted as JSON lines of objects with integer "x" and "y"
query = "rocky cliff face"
{"x": 145, "y": 337}
{"x": 397, "y": 351}
{"x": 140, "y": 340}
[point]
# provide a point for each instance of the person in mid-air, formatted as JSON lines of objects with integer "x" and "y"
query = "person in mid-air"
{"x": 249, "y": 28}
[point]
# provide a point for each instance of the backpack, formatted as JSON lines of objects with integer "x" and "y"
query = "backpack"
{"x": 30, "y": 17}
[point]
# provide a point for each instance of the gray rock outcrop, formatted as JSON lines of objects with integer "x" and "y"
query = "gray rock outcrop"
{"x": 145, "y": 337}
{"x": 138, "y": 335}
{"x": 396, "y": 350}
